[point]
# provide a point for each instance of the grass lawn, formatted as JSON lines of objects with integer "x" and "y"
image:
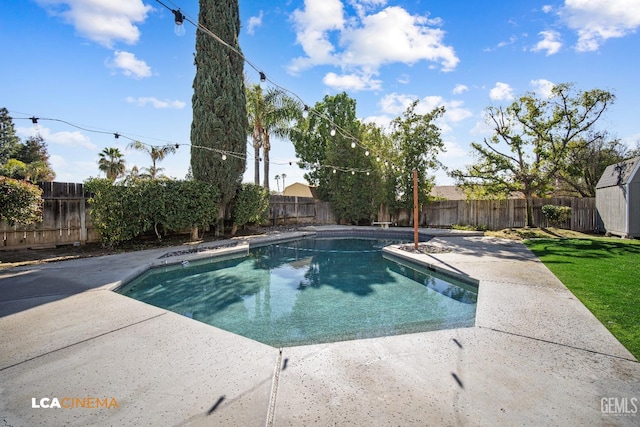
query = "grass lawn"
{"x": 605, "y": 275}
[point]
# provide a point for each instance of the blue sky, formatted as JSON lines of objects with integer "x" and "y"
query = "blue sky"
{"x": 116, "y": 66}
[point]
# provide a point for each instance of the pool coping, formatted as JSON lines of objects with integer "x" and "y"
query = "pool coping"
{"x": 535, "y": 356}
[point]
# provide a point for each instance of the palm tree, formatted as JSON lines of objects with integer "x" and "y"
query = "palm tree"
{"x": 277, "y": 177}
{"x": 112, "y": 163}
{"x": 157, "y": 154}
{"x": 284, "y": 175}
{"x": 271, "y": 113}
{"x": 255, "y": 113}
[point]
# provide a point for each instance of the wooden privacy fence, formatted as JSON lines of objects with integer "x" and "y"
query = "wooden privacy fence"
{"x": 510, "y": 213}
{"x": 65, "y": 219}
{"x": 299, "y": 210}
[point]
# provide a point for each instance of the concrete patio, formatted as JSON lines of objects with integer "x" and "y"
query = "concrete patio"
{"x": 536, "y": 356}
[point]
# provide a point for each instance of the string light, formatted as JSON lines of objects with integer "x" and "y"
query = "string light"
{"x": 263, "y": 77}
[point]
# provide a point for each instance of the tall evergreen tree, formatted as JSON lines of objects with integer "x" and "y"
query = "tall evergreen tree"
{"x": 219, "y": 107}
{"x": 9, "y": 141}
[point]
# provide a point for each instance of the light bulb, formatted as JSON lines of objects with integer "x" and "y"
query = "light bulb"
{"x": 333, "y": 131}
{"x": 353, "y": 172}
{"x": 334, "y": 171}
{"x": 224, "y": 157}
{"x": 178, "y": 29}
{"x": 353, "y": 145}
{"x": 366, "y": 153}
{"x": 305, "y": 111}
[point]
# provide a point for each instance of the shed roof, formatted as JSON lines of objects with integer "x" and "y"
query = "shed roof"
{"x": 619, "y": 173}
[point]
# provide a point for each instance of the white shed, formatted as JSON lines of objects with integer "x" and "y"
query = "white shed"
{"x": 618, "y": 198}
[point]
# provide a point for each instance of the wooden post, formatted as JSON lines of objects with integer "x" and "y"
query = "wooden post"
{"x": 415, "y": 209}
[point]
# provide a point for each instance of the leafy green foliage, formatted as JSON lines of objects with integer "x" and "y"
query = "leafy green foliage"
{"x": 530, "y": 141}
{"x": 556, "y": 215}
{"x": 252, "y": 205}
{"x": 219, "y": 125}
{"x": 270, "y": 114}
{"x": 338, "y": 168}
{"x": 123, "y": 212}
{"x": 111, "y": 162}
{"x": 20, "y": 202}
{"x": 28, "y": 160}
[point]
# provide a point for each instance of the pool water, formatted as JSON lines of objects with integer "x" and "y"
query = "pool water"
{"x": 310, "y": 291}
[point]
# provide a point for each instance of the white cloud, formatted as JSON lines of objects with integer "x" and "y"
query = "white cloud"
{"x": 64, "y": 138}
{"x": 254, "y": 22}
{"x": 155, "y": 102}
{"x": 368, "y": 41}
{"x": 103, "y": 21}
{"x": 550, "y": 42}
{"x": 547, "y": 8}
{"x": 393, "y": 35}
{"x": 395, "y": 104}
{"x": 312, "y": 26}
{"x": 597, "y": 20}
{"x": 460, "y": 88}
{"x": 542, "y": 87}
{"x": 129, "y": 65}
{"x": 501, "y": 92}
{"x": 354, "y": 82}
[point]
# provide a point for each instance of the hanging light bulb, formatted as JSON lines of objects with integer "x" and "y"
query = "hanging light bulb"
{"x": 353, "y": 172}
{"x": 353, "y": 145}
{"x": 377, "y": 158}
{"x": 263, "y": 77}
{"x": 178, "y": 29}
{"x": 34, "y": 120}
{"x": 305, "y": 111}
{"x": 224, "y": 157}
{"x": 368, "y": 173}
{"x": 333, "y": 131}
{"x": 366, "y": 153}
{"x": 334, "y": 171}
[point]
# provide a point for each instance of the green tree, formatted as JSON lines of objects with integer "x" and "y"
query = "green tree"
{"x": 157, "y": 154}
{"x": 416, "y": 140}
{"x": 586, "y": 161}
{"x": 9, "y": 141}
{"x": 33, "y": 153}
{"x": 341, "y": 167}
{"x": 111, "y": 162}
{"x": 530, "y": 139}
{"x": 270, "y": 114}
{"x": 20, "y": 202}
{"x": 219, "y": 126}
{"x": 252, "y": 205}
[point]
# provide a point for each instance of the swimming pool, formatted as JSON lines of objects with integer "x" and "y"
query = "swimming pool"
{"x": 309, "y": 291}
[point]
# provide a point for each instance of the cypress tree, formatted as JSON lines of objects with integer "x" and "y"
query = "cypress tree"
{"x": 219, "y": 106}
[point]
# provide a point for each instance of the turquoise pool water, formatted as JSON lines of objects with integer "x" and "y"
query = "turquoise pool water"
{"x": 310, "y": 291}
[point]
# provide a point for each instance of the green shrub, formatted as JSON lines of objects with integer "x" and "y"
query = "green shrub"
{"x": 20, "y": 202}
{"x": 556, "y": 215}
{"x": 252, "y": 205}
{"x": 122, "y": 212}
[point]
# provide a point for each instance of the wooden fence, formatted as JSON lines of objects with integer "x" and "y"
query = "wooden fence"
{"x": 65, "y": 220}
{"x": 299, "y": 210}
{"x": 510, "y": 213}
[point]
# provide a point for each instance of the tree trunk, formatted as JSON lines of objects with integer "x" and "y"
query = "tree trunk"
{"x": 529, "y": 207}
{"x": 256, "y": 165}
{"x": 220, "y": 224}
{"x": 194, "y": 233}
{"x": 266, "y": 146}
